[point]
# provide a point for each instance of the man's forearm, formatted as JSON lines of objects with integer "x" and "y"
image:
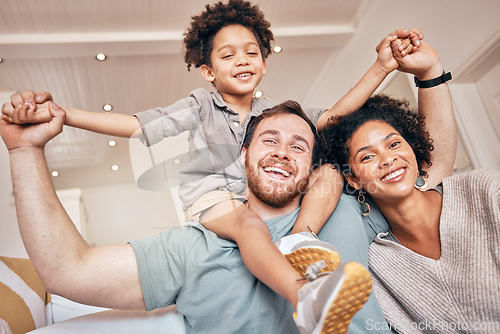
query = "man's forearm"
{"x": 49, "y": 236}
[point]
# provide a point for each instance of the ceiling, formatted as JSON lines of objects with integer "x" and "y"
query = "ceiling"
{"x": 327, "y": 46}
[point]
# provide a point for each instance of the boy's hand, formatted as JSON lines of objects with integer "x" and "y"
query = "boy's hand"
{"x": 403, "y": 41}
{"x": 24, "y": 108}
{"x": 33, "y": 136}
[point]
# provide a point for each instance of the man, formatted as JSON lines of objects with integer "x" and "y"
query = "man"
{"x": 202, "y": 274}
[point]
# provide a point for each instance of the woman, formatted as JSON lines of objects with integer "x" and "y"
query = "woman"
{"x": 438, "y": 269}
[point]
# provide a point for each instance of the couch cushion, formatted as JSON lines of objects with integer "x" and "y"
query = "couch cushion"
{"x": 23, "y": 296}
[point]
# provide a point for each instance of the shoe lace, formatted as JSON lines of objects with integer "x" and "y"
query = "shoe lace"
{"x": 313, "y": 271}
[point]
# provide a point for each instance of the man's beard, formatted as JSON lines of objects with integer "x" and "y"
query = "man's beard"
{"x": 275, "y": 194}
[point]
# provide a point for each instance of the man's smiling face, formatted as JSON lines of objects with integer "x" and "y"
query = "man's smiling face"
{"x": 278, "y": 160}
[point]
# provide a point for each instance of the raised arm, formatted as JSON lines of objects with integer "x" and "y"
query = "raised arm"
{"x": 436, "y": 104}
{"x": 67, "y": 265}
{"x": 26, "y": 107}
{"x": 385, "y": 64}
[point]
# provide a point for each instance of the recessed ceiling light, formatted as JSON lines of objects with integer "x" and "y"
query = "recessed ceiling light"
{"x": 55, "y": 173}
{"x": 101, "y": 56}
{"x": 259, "y": 93}
{"x": 107, "y": 107}
{"x": 112, "y": 143}
{"x": 277, "y": 49}
{"x": 177, "y": 161}
{"x": 115, "y": 167}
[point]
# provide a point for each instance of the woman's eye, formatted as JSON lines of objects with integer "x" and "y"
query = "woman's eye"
{"x": 394, "y": 144}
{"x": 366, "y": 158}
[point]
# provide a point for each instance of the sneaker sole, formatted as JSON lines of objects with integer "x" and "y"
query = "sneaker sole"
{"x": 301, "y": 258}
{"x": 353, "y": 293}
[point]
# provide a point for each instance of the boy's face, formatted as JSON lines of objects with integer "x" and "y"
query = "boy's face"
{"x": 237, "y": 64}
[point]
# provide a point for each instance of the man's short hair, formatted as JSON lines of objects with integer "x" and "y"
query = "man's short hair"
{"x": 287, "y": 107}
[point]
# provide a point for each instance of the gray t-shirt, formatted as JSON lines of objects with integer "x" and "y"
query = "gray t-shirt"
{"x": 215, "y": 135}
{"x": 207, "y": 280}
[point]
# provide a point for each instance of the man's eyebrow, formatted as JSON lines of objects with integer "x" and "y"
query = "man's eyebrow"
{"x": 369, "y": 146}
{"x": 268, "y": 132}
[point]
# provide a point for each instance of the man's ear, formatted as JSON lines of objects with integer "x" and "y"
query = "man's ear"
{"x": 207, "y": 73}
{"x": 243, "y": 155}
{"x": 353, "y": 181}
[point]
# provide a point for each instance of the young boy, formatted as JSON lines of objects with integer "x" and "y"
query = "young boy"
{"x": 229, "y": 43}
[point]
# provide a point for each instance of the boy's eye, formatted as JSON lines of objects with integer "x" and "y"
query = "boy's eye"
{"x": 227, "y": 56}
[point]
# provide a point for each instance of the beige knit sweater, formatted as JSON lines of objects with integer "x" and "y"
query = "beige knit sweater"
{"x": 460, "y": 292}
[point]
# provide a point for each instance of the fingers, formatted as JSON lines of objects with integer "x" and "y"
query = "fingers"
{"x": 7, "y": 111}
{"x": 406, "y": 46}
{"x": 385, "y": 42}
{"x": 42, "y": 97}
{"x": 24, "y": 114}
{"x": 58, "y": 114}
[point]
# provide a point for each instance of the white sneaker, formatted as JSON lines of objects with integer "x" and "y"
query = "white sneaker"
{"x": 303, "y": 249}
{"x": 327, "y": 304}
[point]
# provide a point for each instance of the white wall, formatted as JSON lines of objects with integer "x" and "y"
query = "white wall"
{"x": 123, "y": 213}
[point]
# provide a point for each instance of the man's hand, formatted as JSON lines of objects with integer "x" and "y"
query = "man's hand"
{"x": 24, "y": 108}
{"x": 36, "y": 135}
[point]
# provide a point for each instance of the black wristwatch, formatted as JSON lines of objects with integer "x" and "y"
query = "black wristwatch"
{"x": 433, "y": 82}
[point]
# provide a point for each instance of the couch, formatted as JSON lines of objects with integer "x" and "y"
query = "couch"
{"x": 25, "y": 306}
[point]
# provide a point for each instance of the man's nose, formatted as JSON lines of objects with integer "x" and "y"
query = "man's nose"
{"x": 281, "y": 151}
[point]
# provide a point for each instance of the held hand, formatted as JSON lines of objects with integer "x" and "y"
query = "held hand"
{"x": 33, "y": 136}
{"x": 405, "y": 41}
{"x": 23, "y": 108}
{"x": 423, "y": 63}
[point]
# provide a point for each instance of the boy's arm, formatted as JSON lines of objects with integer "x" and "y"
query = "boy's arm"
{"x": 320, "y": 200}
{"x": 30, "y": 108}
{"x": 384, "y": 65}
{"x": 101, "y": 276}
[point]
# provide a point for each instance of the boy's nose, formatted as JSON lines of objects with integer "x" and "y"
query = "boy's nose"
{"x": 241, "y": 59}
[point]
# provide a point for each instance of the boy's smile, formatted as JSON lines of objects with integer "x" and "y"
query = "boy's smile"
{"x": 237, "y": 63}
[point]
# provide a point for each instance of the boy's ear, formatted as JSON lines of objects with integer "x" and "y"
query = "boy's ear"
{"x": 353, "y": 181}
{"x": 264, "y": 69}
{"x": 207, "y": 73}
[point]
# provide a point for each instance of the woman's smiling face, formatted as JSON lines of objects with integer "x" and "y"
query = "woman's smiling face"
{"x": 382, "y": 162}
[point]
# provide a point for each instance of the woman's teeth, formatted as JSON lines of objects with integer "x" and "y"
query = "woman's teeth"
{"x": 393, "y": 175}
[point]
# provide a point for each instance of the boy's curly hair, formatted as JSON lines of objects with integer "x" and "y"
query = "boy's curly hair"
{"x": 198, "y": 39}
{"x": 394, "y": 112}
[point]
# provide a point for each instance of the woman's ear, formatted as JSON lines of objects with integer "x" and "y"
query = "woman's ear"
{"x": 207, "y": 73}
{"x": 353, "y": 181}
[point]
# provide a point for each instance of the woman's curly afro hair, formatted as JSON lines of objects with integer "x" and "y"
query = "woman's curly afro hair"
{"x": 394, "y": 112}
{"x": 199, "y": 37}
